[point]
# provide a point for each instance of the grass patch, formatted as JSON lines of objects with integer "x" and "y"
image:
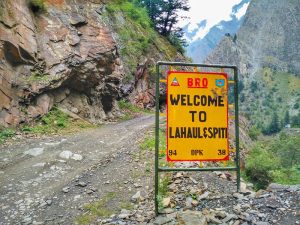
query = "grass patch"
{"x": 37, "y": 77}
{"x": 163, "y": 189}
{"x": 102, "y": 209}
{"x": 56, "y": 121}
{"x": 148, "y": 144}
{"x": 126, "y": 205}
{"x": 6, "y": 133}
{"x": 97, "y": 209}
{"x": 129, "y": 110}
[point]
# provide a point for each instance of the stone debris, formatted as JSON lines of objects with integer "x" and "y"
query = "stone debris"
{"x": 77, "y": 157}
{"x": 191, "y": 203}
{"x": 34, "y": 151}
{"x": 137, "y": 197}
{"x": 166, "y": 202}
{"x": 65, "y": 154}
{"x": 66, "y": 189}
{"x": 70, "y": 155}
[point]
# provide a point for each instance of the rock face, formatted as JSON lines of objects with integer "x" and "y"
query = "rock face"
{"x": 65, "y": 56}
{"x": 268, "y": 37}
{"x": 266, "y": 51}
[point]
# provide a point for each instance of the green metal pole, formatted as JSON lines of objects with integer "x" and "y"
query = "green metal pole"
{"x": 156, "y": 138}
{"x": 237, "y": 136}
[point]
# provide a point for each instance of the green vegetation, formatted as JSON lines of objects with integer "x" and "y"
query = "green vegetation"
{"x": 274, "y": 126}
{"x": 130, "y": 111}
{"x": 37, "y": 6}
{"x": 56, "y": 121}
{"x": 254, "y": 132}
{"x": 164, "y": 15}
{"x": 96, "y": 209}
{"x": 37, "y": 77}
{"x": 6, "y": 133}
{"x": 276, "y": 160}
{"x": 149, "y": 143}
{"x": 295, "y": 121}
{"x": 267, "y": 100}
{"x": 136, "y": 34}
{"x": 163, "y": 188}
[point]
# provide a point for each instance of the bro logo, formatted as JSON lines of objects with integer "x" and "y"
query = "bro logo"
{"x": 175, "y": 82}
{"x": 220, "y": 83}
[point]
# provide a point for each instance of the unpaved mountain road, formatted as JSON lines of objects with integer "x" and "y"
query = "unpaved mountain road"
{"x": 45, "y": 181}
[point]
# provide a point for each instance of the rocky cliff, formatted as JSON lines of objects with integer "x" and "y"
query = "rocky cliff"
{"x": 66, "y": 53}
{"x": 267, "y": 37}
{"x": 266, "y": 50}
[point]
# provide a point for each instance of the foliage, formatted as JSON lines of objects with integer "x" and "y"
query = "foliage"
{"x": 135, "y": 33}
{"x": 287, "y": 149}
{"x": 55, "y": 121}
{"x": 131, "y": 10}
{"x": 164, "y": 15}
{"x": 129, "y": 110}
{"x": 254, "y": 86}
{"x": 37, "y": 77}
{"x": 286, "y": 119}
{"x": 254, "y": 132}
{"x": 149, "y": 143}
{"x": 6, "y": 133}
{"x": 270, "y": 91}
{"x": 295, "y": 121}
{"x": 259, "y": 165}
{"x": 176, "y": 39}
{"x": 274, "y": 126}
{"x": 37, "y": 6}
{"x": 97, "y": 209}
{"x": 274, "y": 161}
{"x": 163, "y": 189}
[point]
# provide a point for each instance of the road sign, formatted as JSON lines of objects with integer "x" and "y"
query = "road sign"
{"x": 197, "y": 116}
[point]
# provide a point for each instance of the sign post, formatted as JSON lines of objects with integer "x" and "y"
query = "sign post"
{"x": 197, "y": 118}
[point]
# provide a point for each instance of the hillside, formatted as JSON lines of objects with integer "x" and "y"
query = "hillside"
{"x": 75, "y": 55}
{"x": 266, "y": 51}
{"x": 200, "y": 47}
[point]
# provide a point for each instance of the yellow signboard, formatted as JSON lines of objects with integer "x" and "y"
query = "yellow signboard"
{"x": 197, "y": 116}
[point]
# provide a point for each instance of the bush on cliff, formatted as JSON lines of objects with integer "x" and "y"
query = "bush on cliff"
{"x": 37, "y": 6}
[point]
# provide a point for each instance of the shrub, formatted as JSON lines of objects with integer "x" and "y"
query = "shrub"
{"x": 278, "y": 161}
{"x": 254, "y": 132}
{"x": 37, "y": 6}
{"x": 6, "y": 133}
{"x": 259, "y": 166}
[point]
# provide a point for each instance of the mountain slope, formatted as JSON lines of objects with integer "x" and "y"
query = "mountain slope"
{"x": 266, "y": 51}
{"x": 200, "y": 47}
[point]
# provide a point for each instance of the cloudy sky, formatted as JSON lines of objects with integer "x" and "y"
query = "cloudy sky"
{"x": 213, "y": 11}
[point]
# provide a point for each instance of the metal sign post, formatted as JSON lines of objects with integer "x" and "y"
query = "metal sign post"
{"x": 197, "y": 118}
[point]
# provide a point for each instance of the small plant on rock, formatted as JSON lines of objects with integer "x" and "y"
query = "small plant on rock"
{"x": 37, "y": 6}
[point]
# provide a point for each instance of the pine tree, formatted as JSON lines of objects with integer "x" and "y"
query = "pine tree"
{"x": 274, "y": 125}
{"x": 164, "y": 14}
{"x": 286, "y": 118}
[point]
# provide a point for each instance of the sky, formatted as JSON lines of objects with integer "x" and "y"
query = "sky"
{"x": 213, "y": 11}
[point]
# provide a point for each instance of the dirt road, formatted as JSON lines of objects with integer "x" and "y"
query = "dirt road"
{"x": 47, "y": 181}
